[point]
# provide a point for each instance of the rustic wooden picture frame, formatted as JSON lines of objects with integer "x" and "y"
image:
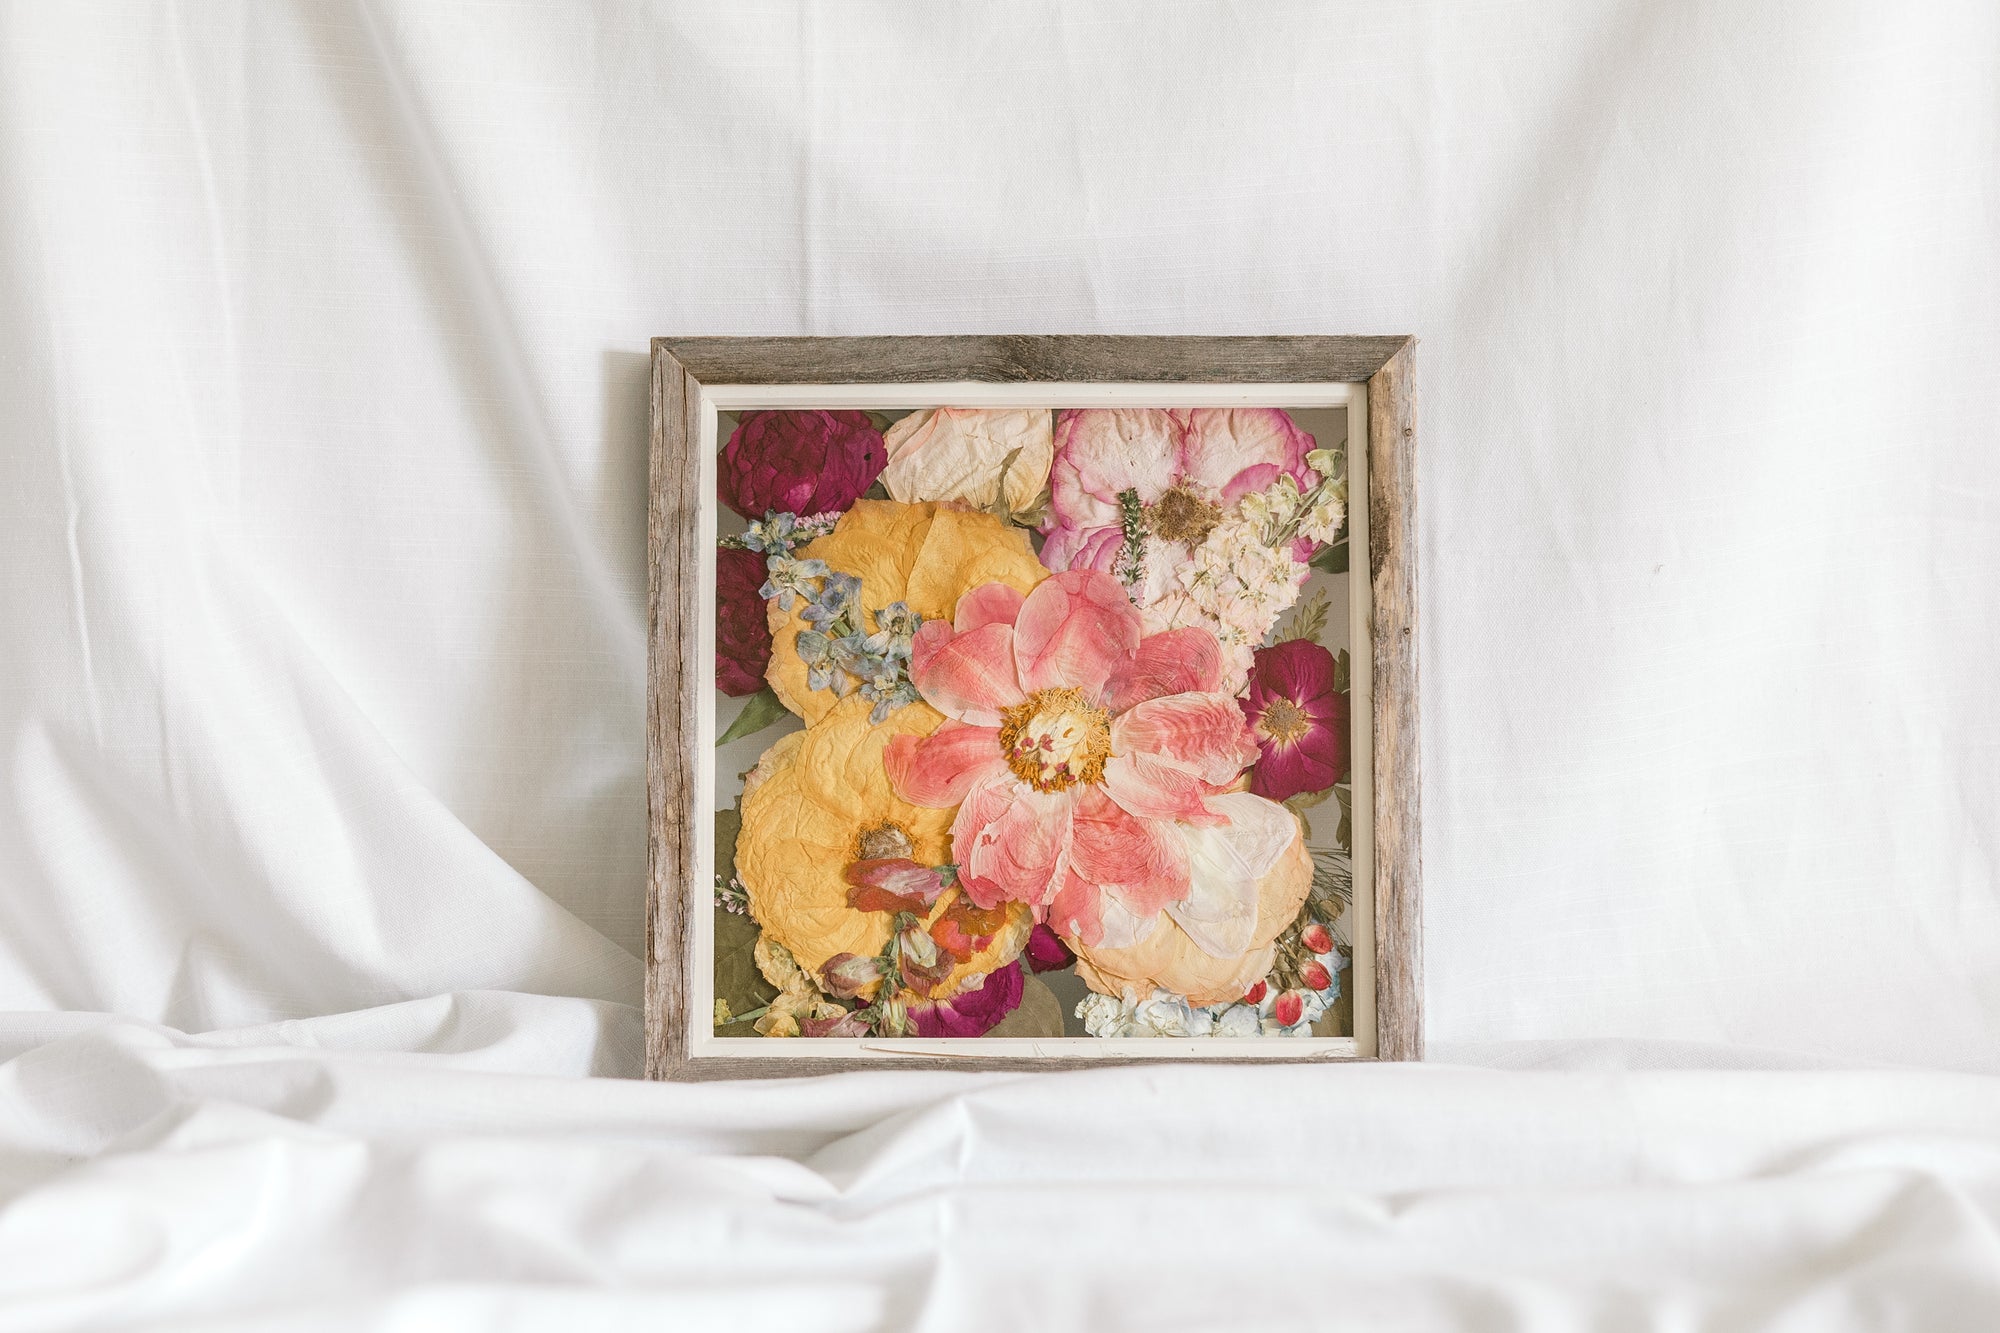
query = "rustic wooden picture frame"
{"x": 676, "y": 681}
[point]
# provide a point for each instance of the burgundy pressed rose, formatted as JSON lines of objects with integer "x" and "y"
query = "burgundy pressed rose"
{"x": 800, "y": 463}
{"x": 971, "y": 1013}
{"x": 742, "y": 635}
{"x": 1046, "y": 951}
{"x": 1298, "y": 718}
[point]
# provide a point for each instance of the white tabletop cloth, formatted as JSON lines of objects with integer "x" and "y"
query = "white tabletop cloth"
{"x": 322, "y": 450}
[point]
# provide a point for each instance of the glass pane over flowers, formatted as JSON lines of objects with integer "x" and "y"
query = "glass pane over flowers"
{"x": 1034, "y": 722}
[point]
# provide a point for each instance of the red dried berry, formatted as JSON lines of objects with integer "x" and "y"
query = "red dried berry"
{"x": 1289, "y": 1008}
{"x": 1317, "y": 938}
{"x": 1316, "y": 976}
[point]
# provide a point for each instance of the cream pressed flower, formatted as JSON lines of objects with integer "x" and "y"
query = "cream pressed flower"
{"x": 973, "y": 455}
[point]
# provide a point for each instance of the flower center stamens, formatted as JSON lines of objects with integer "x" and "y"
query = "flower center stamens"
{"x": 1283, "y": 721}
{"x": 1055, "y": 739}
{"x": 1183, "y": 516}
{"x": 884, "y": 842}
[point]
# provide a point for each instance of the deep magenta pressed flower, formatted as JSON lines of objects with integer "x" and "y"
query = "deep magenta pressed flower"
{"x": 800, "y": 463}
{"x": 742, "y": 634}
{"x": 973, "y": 1012}
{"x": 1046, "y": 952}
{"x": 1298, "y": 719}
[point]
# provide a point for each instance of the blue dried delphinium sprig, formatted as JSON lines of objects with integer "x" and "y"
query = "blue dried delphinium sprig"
{"x": 831, "y": 603}
{"x": 781, "y": 534}
{"x": 788, "y": 580}
{"x": 838, "y": 654}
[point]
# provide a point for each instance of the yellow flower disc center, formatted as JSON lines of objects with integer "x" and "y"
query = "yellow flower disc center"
{"x": 1283, "y": 721}
{"x": 1055, "y": 739}
{"x": 1182, "y": 516}
{"x": 884, "y": 842}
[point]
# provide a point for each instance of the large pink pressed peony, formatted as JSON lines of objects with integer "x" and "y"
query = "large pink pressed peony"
{"x": 1186, "y": 464}
{"x": 1084, "y": 759}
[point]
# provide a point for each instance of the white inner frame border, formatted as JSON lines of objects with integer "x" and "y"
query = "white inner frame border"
{"x": 718, "y": 398}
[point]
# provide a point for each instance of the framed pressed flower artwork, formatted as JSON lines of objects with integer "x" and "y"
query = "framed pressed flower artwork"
{"x": 1031, "y": 701}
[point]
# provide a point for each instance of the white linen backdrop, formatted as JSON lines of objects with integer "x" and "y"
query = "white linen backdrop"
{"x": 322, "y": 426}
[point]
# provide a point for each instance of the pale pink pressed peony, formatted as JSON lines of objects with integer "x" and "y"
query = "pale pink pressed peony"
{"x": 1086, "y": 762}
{"x": 1186, "y": 464}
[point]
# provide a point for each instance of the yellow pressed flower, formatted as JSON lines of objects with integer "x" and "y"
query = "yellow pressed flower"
{"x": 818, "y": 801}
{"x": 1172, "y": 961}
{"x": 924, "y": 555}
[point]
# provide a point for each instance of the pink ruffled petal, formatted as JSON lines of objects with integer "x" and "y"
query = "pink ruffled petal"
{"x": 1177, "y": 661}
{"x": 1083, "y": 547}
{"x": 966, "y": 676}
{"x": 1144, "y": 860}
{"x": 1221, "y": 442}
{"x": 924, "y": 644}
{"x": 937, "y": 770}
{"x": 1102, "y": 451}
{"x": 1150, "y": 789}
{"x": 985, "y": 801}
{"x": 1011, "y": 842}
{"x": 988, "y": 604}
{"x": 1075, "y": 629}
{"x": 1202, "y": 734}
{"x": 1074, "y": 914}
{"x": 1254, "y": 478}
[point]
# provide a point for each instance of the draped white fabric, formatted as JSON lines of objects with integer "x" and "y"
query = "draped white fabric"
{"x": 322, "y": 430}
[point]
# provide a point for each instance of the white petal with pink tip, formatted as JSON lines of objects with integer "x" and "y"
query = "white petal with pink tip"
{"x": 1224, "y": 864}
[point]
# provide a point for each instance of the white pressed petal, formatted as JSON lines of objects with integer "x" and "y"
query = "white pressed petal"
{"x": 1224, "y": 864}
{"x": 1123, "y": 927}
{"x": 957, "y": 454}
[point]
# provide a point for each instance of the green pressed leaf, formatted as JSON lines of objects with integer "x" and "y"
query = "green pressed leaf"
{"x": 728, "y": 823}
{"x": 1331, "y": 559}
{"x": 1344, "y": 835}
{"x": 1039, "y": 1015}
{"x": 738, "y": 983}
{"x": 999, "y": 506}
{"x": 760, "y": 710}
{"x": 1307, "y": 620}
{"x": 1340, "y": 669}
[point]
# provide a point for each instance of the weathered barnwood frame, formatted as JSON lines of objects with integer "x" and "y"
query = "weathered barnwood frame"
{"x": 675, "y": 681}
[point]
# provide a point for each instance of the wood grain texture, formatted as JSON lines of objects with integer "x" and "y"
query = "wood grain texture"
{"x": 682, "y": 366}
{"x": 1026, "y": 359}
{"x": 673, "y": 683}
{"x": 1392, "y": 558}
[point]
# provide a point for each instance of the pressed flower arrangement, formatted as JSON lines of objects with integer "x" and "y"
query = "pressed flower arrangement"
{"x": 1055, "y": 686}
{"x": 1034, "y": 724}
